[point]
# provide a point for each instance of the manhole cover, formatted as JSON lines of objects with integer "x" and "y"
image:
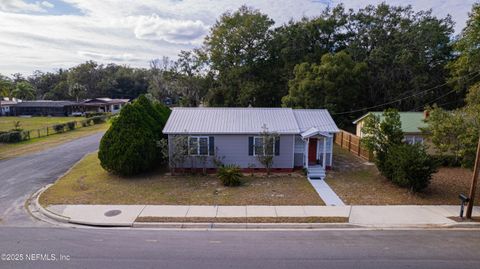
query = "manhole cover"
{"x": 112, "y": 213}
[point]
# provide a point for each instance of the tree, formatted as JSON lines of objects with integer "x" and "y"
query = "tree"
{"x": 76, "y": 90}
{"x": 235, "y": 48}
{"x": 6, "y": 86}
{"x": 265, "y": 150}
{"x": 24, "y": 90}
{"x": 129, "y": 146}
{"x": 333, "y": 84}
{"x": 179, "y": 152}
{"x": 380, "y": 134}
{"x": 467, "y": 64}
{"x": 456, "y": 132}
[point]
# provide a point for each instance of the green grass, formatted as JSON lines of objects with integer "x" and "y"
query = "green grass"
{"x": 38, "y": 144}
{"x": 31, "y": 123}
{"x": 88, "y": 183}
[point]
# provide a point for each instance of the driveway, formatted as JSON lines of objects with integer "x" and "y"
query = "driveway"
{"x": 21, "y": 176}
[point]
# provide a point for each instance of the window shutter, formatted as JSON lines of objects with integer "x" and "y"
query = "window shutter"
{"x": 250, "y": 145}
{"x": 277, "y": 145}
{"x": 211, "y": 145}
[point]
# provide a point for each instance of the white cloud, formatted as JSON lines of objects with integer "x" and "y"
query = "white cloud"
{"x": 47, "y": 4}
{"x": 22, "y": 6}
{"x": 171, "y": 30}
{"x": 136, "y": 31}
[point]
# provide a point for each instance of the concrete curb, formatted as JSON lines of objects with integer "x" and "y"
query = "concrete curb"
{"x": 244, "y": 226}
{"x": 44, "y": 211}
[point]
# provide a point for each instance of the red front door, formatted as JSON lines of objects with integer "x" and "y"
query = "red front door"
{"x": 312, "y": 151}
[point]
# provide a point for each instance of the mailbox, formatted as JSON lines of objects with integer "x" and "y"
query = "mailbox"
{"x": 464, "y": 199}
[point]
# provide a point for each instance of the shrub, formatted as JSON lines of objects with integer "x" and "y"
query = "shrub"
{"x": 59, "y": 128}
{"x": 129, "y": 146}
{"x": 447, "y": 160}
{"x": 85, "y": 123}
{"x": 98, "y": 119}
{"x": 71, "y": 125}
{"x": 11, "y": 137}
{"x": 95, "y": 114}
{"x": 409, "y": 166}
{"x": 230, "y": 175}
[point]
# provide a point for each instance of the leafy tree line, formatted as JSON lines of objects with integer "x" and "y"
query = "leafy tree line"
{"x": 343, "y": 60}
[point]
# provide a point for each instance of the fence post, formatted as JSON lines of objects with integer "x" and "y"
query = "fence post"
{"x": 359, "y": 146}
{"x": 349, "y": 142}
{"x": 47, "y": 130}
{"x": 38, "y": 132}
{"x": 341, "y": 140}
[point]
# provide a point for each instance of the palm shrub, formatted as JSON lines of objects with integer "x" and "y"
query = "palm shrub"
{"x": 409, "y": 166}
{"x": 129, "y": 145}
{"x": 230, "y": 175}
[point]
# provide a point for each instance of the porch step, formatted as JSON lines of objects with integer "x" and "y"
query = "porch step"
{"x": 316, "y": 172}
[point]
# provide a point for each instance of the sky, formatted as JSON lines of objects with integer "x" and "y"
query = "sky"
{"x": 52, "y": 34}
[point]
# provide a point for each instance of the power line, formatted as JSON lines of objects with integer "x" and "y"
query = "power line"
{"x": 406, "y": 97}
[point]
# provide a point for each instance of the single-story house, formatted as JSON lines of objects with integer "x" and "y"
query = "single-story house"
{"x": 42, "y": 108}
{"x": 99, "y": 105}
{"x": 233, "y": 135}
{"x": 412, "y": 123}
{"x": 5, "y": 107}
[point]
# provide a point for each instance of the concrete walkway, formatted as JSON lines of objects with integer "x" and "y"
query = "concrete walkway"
{"x": 326, "y": 193}
{"x": 365, "y": 216}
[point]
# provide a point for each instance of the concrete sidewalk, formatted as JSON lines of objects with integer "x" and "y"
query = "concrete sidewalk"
{"x": 364, "y": 216}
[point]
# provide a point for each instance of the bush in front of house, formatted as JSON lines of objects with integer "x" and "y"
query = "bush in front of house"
{"x": 96, "y": 114}
{"x": 129, "y": 145}
{"x": 409, "y": 166}
{"x": 447, "y": 160}
{"x": 230, "y": 175}
{"x": 11, "y": 137}
{"x": 59, "y": 128}
{"x": 71, "y": 125}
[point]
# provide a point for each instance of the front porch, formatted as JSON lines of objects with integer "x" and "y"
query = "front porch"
{"x": 317, "y": 152}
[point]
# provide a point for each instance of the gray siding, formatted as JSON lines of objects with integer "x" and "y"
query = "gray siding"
{"x": 233, "y": 149}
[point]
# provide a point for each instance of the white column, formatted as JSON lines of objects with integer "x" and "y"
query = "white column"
{"x": 306, "y": 152}
{"x": 324, "y": 152}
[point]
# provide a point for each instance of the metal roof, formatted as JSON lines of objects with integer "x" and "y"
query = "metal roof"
{"x": 318, "y": 118}
{"x": 203, "y": 120}
{"x": 412, "y": 122}
{"x": 44, "y": 103}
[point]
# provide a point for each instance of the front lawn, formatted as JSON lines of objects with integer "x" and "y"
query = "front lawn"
{"x": 31, "y": 123}
{"x": 33, "y": 145}
{"x": 360, "y": 184}
{"x": 88, "y": 183}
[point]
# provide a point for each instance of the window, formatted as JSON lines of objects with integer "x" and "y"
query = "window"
{"x": 260, "y": 149}
{"x": 198, "y": 145}
{"x": 116, "y": 107}
{"x": 413, "y": 139}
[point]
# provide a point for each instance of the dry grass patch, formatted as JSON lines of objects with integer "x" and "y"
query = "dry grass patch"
{"x": 46, "y": 142}
{"x": 88, "y": 183}
{"x": 247, "y": 220}
{"x": 359, "y": 184}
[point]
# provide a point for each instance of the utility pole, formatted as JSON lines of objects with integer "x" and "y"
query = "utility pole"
{"x": 476, "y": 172}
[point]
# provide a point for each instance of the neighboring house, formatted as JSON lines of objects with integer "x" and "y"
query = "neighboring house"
{"x": 42, "y": 108}
{"x": 99, "y": 105}
{"x": 5, "y": 107}
{"x": 233, "y": 135}
{"x": 412, "y": 123}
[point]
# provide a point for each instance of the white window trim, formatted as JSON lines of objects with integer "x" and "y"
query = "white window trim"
{"x": 254, "y": 147}
{"x": 198, "y": 145}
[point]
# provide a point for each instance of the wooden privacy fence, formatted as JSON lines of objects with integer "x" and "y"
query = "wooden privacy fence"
{"x": 353, "y": 144}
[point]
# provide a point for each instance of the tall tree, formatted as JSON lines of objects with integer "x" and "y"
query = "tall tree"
{"x": 465, "y": 68}
{"x": 337, "y": 83}
{"x": 24, "y": 90}
{"x": 234, "y": 49}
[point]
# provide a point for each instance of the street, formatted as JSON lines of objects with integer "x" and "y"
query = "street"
{"x": 21, "y": 177}
{"x": 106, "y": 248}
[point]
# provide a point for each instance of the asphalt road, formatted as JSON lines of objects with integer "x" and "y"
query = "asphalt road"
{"x": 103, "y": 248}
{"x": 20, "y": 177}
